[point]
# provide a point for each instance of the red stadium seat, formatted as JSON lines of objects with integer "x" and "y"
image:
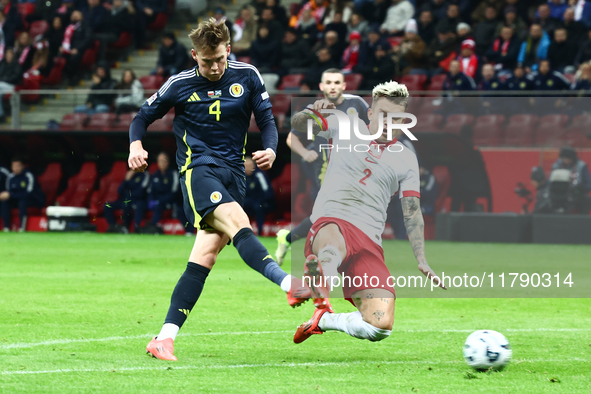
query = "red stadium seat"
{"x": 124, "y": 122}
{"x": 291, "y": 81}
{"x": 487, "y": 134}
{"x": 353, "y": 81}
{"x": 428, "y": 123}
{"x": 80, "y": 187}
{"x": 430, "y": 105}
{"x": 55, "y": 75}
{"x": 454, "y": 123}
{"x": 38, "y": 28}
{"x": 437, "y": 82}
{"x": 575, "y": 138}
{"x": 159, "y": 23}
{"x": 108, "y": 188}
{"x": 101, "y": 122}
{"x": 25, "y": 9}
{"x": 160, "y": 125}
{"x": 486, "y": 120}
{"x": 244, "y": 59}
{"x": 414, "y": 82}
{"x": 90, "y": 56}
{"x": 50, "y": 181}
{"x": 519, "y": 135}
{"x": 550, "y": 128}
{"x": 123, "y": 41}
{"x": 152, "y": 82}
{"x": 253, "y": 124}
{"x": 528, "y": 120}
{"x": 281, "y": 104}
{"x": 443, "y": 178}
{"x": 414, "y": 105}
{"x": 282, "y": 186}
{"x": 30, "y": 82}
{"x": 73, "y": 122}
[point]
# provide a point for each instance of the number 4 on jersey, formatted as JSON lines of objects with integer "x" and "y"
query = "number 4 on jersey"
{"x": 214, "y": 109}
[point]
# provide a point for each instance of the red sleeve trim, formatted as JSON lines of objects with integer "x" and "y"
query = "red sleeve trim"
{"x": 411, "y": 193}
{"x": 324, "y": 122}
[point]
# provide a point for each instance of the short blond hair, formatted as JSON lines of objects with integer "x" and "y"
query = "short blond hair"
{"x": 393, "y": 91}
{"x": 210, "y": 34}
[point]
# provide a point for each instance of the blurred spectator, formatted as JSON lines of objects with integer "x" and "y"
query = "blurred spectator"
{"x": 411, "y": 51}
{"x": 77, "y": 38}
{"x": 259, "y": 199}
{"x": 295, "y": 52}
{"x": 265, "y": 51}
{"x": 97, "y": 102}
{"x": 479, "y": 14}
{"x": 522, "y": 7}
{"x": 356, "y": 23}
{"x": 368, "y": 47}
{"x": 513, "y": 21}
{"x": 11, "y": 74}
{"x": 245, "y": 31}
{"x": 584, "y": 53}
{"x": 463, "y": 31}
{"x": 583, "y": 12}
{"x": 24, "y": 50}
{"x": 457, "y": 80}
{"x": 276, "y": 29}
{"x": 484, "y": 32}
{"x": 451, "y": 20}
{"x": 95, "y": 15}
{"x": 11, "y": 22}
{"x": 427, "y": 26}
{"x": 65, "y": 11}
{"x": 258, "y": 6}
{"x": 577, "y": 31}
{"x": 438, "y": 8}
{"x": 132, "y": 197}
{"x": 534, "y": 48}
{"x": 538, "y": 180}
{"x": 519, "y": 80}
{"x": 44, "y": 10}
{"x": 489, "y": 79}
{"x": 337, "y": 25}
{"x": 22, "y": 191}
{"x": 397, "y": 16}
{"x": 172, "y": 57}
{"x": 3, "y": 176}
{"x": 42, "y": 63}
{"x": 428, "y": 191}
{"x": 316, "y": 9}
{"x": 583, "y": 80}
{"x": 336, "y": 47}
{"x": 342, "y": 7}
{"x": 54, "y": 36}
{"x": 162, "y": 192}
{"x": 314, "y": 75}
{"x": 132, "y": 101}
{"x": 278, "y": 11}
{"x": 580, "y": 184}
{"x": 557, "y": 8}
{"x": 547, "y": 79}
{"x": 307, "y": 28}
{"x": 147, "y": 11}
{"x": 545, "y": 20}
{"x": 442, "y": 51}
{"x": 351, "y": 54}
{"x": 504, "y": 50}
{"x": 562, "y": 52}
{"x": 121, "y": 18}
{"x": 382, "y": 70}
{"x": 468, "y": 59}
{"x": 374, "y": 12}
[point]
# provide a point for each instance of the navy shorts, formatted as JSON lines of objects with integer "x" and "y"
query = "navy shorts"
{"x": 205, "y": 187}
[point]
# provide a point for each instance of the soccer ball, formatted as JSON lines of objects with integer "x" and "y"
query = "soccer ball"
{"x": 487, "y": 349}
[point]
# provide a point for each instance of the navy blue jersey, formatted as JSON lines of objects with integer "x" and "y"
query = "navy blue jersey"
{"x": 24, "y": 185}
{"x": 211, "y": 118}
{"x": 552, "y": 80}
{"x": 164, "y": 187}
{"x": 3, "y": 177}
{"x": 135, "y": 188}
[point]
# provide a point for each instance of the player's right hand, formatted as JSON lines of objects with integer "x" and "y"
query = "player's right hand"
{"x": 137, "y": 157}
{"x": 310, "y": 156}
{"x": 430, "y": 274}
{"x": 319, "y": 105}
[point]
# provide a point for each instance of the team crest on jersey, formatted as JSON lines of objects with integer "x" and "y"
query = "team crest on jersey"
{"x": 215, "y": 197}
{"x": 351, "y": 111}
{"x": 236, "y": 90}
{"x": 152, "y": 98}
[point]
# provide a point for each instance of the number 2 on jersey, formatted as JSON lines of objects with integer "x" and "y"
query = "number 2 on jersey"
{"x": 367, "y": 173}
{"x": 214, "y": 109}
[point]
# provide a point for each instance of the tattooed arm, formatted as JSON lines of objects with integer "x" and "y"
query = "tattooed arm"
{"x": 299, "y": 121}
{"x": 415, "y": 228}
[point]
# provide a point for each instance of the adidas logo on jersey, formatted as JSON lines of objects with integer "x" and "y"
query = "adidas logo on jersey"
{"x": 194, "y": 97}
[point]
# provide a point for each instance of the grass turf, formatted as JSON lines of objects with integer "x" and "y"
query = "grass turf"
{"x": 76, "y": 311}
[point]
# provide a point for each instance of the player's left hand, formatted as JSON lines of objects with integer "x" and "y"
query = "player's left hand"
{"x": 4, "y": 196}
{"x": 264, "y": 158}
{"x": 430, "y": 274}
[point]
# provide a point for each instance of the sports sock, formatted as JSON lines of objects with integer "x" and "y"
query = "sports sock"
{"x": 186, "y": 293}
{"x": 299, "y": 231}
{"x": 257, "y": 256}
{"x": 286, "y": 283}
{"x": 330, "y": 258}
{"x": 352, "y": 324}
{"x": 169, "y": 330}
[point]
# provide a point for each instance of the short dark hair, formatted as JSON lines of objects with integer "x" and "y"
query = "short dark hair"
{"x": 19, "y": 158}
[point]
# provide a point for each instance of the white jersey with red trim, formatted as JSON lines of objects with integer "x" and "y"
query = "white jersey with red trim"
{"x": 362, "y": 177}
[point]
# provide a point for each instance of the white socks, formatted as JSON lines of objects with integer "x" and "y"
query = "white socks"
{"x": 330, "y": 258}
{"x": 352, "y": 324}
{"x": 169, "y": 330}
{"x": 286, "y": 283}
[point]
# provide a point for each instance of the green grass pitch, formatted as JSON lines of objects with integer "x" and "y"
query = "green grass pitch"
{"x": 77, "y": 310}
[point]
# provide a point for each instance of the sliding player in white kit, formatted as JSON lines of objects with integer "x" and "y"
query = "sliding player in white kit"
{"x": 349, "y": 215}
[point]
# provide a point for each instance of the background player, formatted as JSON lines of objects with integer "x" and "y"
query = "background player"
{"x": 349, "y": 216}
{"x": 213, "y": 103}
{"x": 314, "y": 165}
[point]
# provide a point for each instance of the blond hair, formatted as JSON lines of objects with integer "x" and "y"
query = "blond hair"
{"x": 209, "y": 34}
{"x": 393, "y": 91}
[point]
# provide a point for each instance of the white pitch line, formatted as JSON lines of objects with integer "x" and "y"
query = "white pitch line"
{"x": 171, "y": 367}
{"x": 21, "y": 345}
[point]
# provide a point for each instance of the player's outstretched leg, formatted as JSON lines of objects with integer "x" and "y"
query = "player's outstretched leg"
{"x": 207, "y": 246}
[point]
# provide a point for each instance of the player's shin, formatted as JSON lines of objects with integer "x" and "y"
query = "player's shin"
{"x": 330, "y": 258}
{"x": 185, "y": 295}
{"x": 257, "y": 257}
{"x": 352, "y": 324}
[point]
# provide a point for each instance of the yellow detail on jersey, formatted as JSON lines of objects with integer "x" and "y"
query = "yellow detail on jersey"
{"x": 244, "y": 148}
{"x": 185, "y": 311}
{"x": 194, "y": 97}
{"x": 268, "y": 257}
{"x": 188, "y": 153}
{"x": 214, "y": 109}
{"x": 190, "y": 196}
{"x": 323, "y": 168}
